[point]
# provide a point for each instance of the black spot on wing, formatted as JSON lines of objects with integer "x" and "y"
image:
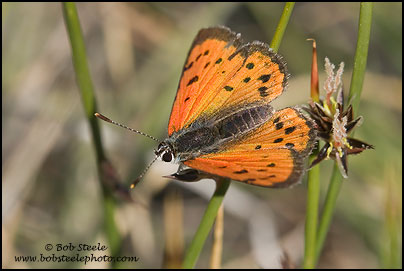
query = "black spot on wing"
{"x": 193, "y": 80}
{"x": 279, "y": 125}
{"x": 267, "y": 177}
{"x": 189, "y": 66}
{"x": 250, "y": 66}
{"x": 263, "y": 92}
{"x": 290, "y": 130}
{"x": 228, "y": 88}
{"x": 289, "y": 145}
{"x": 264, "y": 78}
{"x": 241, "y": 171}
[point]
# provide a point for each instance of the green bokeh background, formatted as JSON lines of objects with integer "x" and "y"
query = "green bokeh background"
{"x": 135, "y": 54}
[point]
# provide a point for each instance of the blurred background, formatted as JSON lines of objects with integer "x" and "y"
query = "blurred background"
{"x": 51, "y": 193}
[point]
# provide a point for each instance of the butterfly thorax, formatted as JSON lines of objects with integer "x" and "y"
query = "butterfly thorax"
{"x": 211, "y": 134}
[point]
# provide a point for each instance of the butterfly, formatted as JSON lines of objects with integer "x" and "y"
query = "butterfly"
{"x": 222, "y": 124}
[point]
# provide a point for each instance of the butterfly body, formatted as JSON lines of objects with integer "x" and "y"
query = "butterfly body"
{"x": 222, "y": 123}
{"x": 210, "y": 134}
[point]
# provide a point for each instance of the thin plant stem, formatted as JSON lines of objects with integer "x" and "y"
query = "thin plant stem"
{"x": 365, "y": 21}
{"x": 391, "y": 252}
{"x": 328, "y": 210}
{"x": 217, "y": 247}
{"x": 283, "y": 23}
{"x": 87, "y": 96}
{"x": 313, "y": 198}
{"x": 206, "y": 224}
{"x": 361, "y": 54}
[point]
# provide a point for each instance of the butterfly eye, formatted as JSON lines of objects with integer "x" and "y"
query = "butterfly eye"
{"x": 160, "y": 149}
{"x": 167, "y": 157}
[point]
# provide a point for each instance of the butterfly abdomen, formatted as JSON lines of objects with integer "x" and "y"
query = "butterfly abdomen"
{"x": 243, "y": 121}
{"x": 208, "y": 135}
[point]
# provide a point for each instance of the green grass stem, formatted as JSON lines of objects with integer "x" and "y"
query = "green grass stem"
{"x": 328, "y": 210}
{"x": 206, "y": 224}
{"x": 361, "y": 55}
{"x": 88, "y": 98}
{"x": 283, "y": 23}
{"x": 313, "y": 198}
{"x": 358, "y": 75}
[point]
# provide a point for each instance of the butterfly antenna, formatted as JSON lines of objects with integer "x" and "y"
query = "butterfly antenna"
{"x": 104, "y": 118}
{"x": 135, "y": 182}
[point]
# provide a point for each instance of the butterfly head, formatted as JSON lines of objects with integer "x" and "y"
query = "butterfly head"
{"x": 165, "y": 151}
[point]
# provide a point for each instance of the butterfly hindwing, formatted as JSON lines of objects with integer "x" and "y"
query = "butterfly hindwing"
{"x": 273, "y": 155}
{"x": 221, "y": 72}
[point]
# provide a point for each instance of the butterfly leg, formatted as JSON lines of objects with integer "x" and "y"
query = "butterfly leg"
{"x": 186, "y": 174}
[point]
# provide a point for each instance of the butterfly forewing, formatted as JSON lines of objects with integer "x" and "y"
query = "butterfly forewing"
{"x": 221, "y": 72}
{"x": 206, "y": 56}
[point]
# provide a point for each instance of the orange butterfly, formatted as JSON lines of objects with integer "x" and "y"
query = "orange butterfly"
{"x": 222, "y": 123}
